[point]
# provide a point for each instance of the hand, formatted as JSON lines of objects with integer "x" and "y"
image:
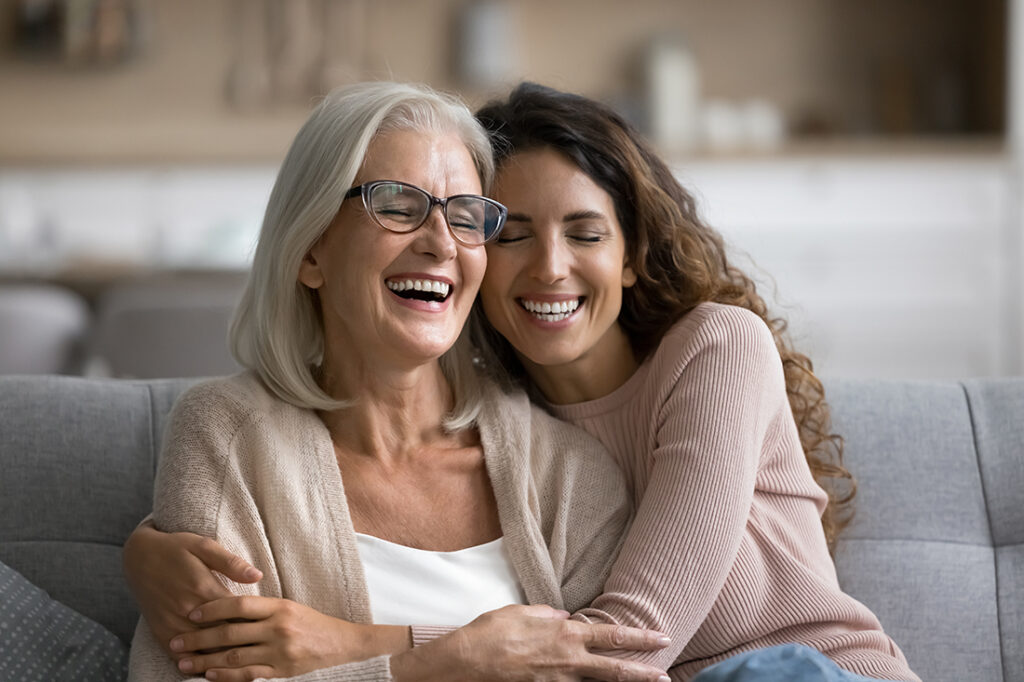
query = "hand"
{"x": 253, "y": 637}
{"x": 527, "y": 643}
{"x": 170, "y": 574}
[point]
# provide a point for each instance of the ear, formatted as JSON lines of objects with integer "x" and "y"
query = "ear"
{"x": 628, "y": 277}
{"x": 310, "y": 273}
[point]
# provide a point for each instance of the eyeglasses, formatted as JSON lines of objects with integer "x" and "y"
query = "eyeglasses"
{"x": 401, "y": 207}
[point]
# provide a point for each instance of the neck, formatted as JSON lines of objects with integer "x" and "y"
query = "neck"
{"x": 393, "y": 412}
{"x": 595, "y": 374}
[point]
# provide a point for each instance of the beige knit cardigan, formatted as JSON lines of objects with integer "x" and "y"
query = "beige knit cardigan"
{"x": 260, "y": 476}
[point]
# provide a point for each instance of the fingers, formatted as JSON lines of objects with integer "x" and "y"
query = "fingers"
{"x": 220, "y": 637}
{"x": 534, "y": 611}
{"x": 619, "y": 670}
{"x": 231, "y": 608}
{"x": 602, "y": 636}
{"x": 219, "y": 559}
{"x": 239, "y": 657}
{"x": 247, "y": 674}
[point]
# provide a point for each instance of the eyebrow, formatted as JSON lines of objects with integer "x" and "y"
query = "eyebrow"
{"x": 567, "y": 218}
{"x": 583, "y": 215}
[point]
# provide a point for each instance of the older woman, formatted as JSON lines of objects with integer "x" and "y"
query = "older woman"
{"x": 362, "y": 464}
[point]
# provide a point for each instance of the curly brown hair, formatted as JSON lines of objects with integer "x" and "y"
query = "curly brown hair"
{"x": 678, "y": 259}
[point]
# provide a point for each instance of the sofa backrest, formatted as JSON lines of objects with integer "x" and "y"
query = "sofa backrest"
{"x": 77, "y": 460}
{"x": 936, "y": 549}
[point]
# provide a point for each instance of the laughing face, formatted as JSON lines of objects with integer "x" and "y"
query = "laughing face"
{"x": 555, "y": 275}
{"x": 389, "y": 299}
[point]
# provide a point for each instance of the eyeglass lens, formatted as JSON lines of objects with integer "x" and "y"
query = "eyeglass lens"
{"x": 403, "y": 208}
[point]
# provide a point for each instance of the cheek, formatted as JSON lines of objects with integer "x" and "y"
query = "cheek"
{"x": 610, "y": 275}
{"x": 474, "y": 264}
{"x": 491, "y": 295}
{"x": 501, "y": 270}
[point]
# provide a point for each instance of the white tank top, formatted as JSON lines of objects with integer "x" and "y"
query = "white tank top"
{"x": 411, "y": 586}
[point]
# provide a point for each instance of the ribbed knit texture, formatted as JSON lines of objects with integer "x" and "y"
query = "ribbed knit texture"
{"x": 260, "y": 476}
{"x": 726, "y": 552}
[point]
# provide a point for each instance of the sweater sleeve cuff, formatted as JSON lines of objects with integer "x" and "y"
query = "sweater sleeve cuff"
{"x": 371, "y": 670}
{"x": 421, "y": 634}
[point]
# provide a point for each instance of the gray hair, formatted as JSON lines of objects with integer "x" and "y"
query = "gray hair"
{"x": 277, "y": 330}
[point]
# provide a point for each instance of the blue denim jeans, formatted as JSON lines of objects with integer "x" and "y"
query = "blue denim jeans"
{"x": 782, "y": 663}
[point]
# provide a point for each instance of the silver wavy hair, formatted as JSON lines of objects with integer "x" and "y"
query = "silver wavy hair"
{"x": 276, "y": 330}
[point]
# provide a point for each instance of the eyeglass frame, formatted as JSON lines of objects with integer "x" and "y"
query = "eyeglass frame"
{"x": 366, "y": 188}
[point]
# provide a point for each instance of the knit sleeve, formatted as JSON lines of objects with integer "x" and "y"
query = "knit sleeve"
{"x": 711, "y": 427}
{"x": 597, "y": 511}
{"x": 201, "y": 488}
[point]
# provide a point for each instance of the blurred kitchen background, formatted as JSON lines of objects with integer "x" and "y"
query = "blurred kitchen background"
{"x": 862, "y": 157}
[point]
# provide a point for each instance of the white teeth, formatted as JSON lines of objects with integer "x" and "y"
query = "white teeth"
{"x": 551, "y": 312}
{"x": 430, "y": 285}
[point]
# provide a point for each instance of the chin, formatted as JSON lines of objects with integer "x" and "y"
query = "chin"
{"x": 548, "y": 357}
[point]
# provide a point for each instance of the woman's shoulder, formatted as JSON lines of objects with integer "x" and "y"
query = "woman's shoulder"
{"x": 711, "y": 321}
{"x": 226, "y": 403}
{"x": 716, "y": 328}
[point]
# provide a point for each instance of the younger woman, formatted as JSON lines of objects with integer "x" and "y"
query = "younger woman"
{"x": 619, "y": 308}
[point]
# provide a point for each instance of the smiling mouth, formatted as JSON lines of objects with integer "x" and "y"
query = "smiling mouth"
{"x": 420, "y": 289}
{"x": 551, "y": 312}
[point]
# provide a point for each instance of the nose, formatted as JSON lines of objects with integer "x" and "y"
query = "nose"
{"x": 550, "y": 262}
{"x": 433, "y": 237}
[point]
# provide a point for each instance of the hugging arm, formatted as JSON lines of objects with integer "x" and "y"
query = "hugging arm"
{"x": 690, "y": 521}
{"x": 171, "y": 574}
{"x": 192, "y": 496}
{"x": 199, "y": 490}
{"x": 512, "y": 643}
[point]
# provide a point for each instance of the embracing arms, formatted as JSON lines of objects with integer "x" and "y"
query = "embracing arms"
{"x": 225, "y": 505}
{"x": 519, "y": 642}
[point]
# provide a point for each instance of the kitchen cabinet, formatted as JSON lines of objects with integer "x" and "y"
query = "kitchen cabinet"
{"x": 886, "y": 267}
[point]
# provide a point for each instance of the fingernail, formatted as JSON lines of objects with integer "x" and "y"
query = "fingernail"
{"x": 196, "y": 615}
{"x": 664, "y": 678}
{"x": 252, "y": 574}
{"x": 664, "y": 640}
{"x": 177, "y": 644}
{"x": 211, "y": 675}
{"x": 185, "y": 665}
{"x": 562, "y": 613}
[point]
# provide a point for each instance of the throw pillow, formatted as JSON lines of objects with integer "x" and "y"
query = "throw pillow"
{"x": 42, "y": 639}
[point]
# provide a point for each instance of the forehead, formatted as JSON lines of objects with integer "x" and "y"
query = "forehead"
{"x": 546, "y": 176}
{"x": 429, "y": 159}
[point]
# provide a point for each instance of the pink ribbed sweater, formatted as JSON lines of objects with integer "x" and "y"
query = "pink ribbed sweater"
{"x": 726, "y": 552}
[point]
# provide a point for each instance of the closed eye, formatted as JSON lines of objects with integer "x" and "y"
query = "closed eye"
{"x": 395, "y": 212}
{"x": 510, "y": 239}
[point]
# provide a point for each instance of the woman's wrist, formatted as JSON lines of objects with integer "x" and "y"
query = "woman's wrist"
{"x": 424, "y": 663}
{"x": 379, "y": 640}
{"x": 360, "y": 642}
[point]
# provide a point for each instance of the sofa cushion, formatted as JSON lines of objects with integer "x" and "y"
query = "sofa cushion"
{"x": 919, "y": 551}
{"x": 997, "y": 411}
{"x": 41, "y": 639}
{"x": 77, "y": 482}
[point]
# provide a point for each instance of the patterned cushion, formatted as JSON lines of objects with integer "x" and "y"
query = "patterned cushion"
{"x": 41, "y": 639}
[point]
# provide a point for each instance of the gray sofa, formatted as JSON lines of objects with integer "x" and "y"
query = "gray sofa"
{"x": 936, "y": 549}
